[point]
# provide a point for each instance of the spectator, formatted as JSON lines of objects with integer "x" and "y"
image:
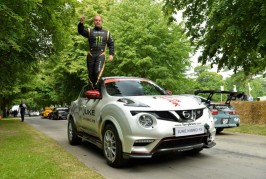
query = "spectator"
{"x": 22, "y": 108}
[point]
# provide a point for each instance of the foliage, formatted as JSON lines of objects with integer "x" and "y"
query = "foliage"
{"x": 258, "y": 85}
{"x": 199, "y": 69}
{"x": 33, "y": 30}
{"x": 145, "y": 45}
{"x": 231, "y": 33}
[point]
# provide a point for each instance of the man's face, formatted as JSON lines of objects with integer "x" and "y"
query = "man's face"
{"x": 97, "y": 21}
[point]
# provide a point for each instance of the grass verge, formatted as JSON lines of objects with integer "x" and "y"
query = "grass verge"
{"x": 27, "y": 153}
{"x": 255, "y": 129}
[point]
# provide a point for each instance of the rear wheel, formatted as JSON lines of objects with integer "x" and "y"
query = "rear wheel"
{"x": 112, "y": 147}
{"x": 72, "y": 133}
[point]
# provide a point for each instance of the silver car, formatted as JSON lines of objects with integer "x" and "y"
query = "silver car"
{"x": 133, "y": 117}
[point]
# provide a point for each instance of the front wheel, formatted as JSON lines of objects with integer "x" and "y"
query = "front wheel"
{"x": 73, "y": 138}
{"x": 112, "y": 147}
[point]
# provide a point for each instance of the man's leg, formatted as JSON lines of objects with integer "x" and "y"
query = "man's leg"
{"x": 91, "y": 69}
{"x": 22, "y": 117}
{"x": 99, "y": 67}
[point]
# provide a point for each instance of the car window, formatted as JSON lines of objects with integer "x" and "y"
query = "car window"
{"x": 132, "y": 88}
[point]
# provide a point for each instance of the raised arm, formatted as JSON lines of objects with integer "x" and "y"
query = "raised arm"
{"x": 81, "y": 30}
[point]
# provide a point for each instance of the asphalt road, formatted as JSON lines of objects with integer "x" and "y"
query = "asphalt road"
{"x": 235, "y": 156}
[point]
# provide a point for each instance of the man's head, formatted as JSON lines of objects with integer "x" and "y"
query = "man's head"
{"x": 97, "y": 21}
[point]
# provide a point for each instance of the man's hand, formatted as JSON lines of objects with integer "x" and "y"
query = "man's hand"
{"x": 111, "y": 57}
{"x": 82, "y": 19}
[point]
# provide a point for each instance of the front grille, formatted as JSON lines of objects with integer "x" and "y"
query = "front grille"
{"x": 173, "y": 142}
{"x": 182, "y": 115}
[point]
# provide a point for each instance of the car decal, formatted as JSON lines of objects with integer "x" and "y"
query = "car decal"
{"x": 175, "y": 102}
{"x": 90, "y": 112}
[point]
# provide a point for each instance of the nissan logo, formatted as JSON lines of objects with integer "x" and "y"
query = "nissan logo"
{"x": 186, "y": 114}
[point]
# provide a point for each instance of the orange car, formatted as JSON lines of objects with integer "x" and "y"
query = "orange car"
{"x": 47, "y": 111}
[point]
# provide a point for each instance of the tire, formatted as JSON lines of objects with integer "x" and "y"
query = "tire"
{"x": 73, "y": 138}
{"x": 112, "y": 147}
{"x": 219, "y": 130}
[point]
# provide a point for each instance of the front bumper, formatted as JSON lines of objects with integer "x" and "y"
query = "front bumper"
{"x": 175, "y": 144}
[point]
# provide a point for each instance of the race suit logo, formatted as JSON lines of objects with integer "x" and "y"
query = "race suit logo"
{"x": 99, "y": 40}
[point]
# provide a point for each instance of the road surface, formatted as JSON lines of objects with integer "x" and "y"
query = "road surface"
{"x": 236, "y": 156}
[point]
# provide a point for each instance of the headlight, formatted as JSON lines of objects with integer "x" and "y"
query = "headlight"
{"x": 145, "y": 121}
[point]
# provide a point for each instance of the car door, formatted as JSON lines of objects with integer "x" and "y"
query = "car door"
{"x": 89, "y": 114}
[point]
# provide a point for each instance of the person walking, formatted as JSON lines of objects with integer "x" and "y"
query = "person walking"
{"x": 22, "y": 108}
{"x": 98, "y": 39}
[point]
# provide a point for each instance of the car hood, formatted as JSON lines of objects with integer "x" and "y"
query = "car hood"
{"x": 164, "y": 102}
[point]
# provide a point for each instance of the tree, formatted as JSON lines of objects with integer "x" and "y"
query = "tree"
{"x": 231, "y": 33}
{"x": 33, "y": 30}
{"x": 210, "y": 81}
{"x": 199, "y": 69}
{"x": 145, "y": 45}
{"x": 258, "y": 84}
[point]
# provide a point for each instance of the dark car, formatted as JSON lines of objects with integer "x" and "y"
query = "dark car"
{"x": 59, "y": 113}
{"x": 224, "y": 114}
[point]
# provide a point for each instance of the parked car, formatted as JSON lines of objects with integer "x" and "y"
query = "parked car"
{"x": 46, "y": 112}
{"x": 34, "y": 113}
{"x": 224, "y": 114}
{"x": 133, "y": 117}
{"x": 59, "y": 113}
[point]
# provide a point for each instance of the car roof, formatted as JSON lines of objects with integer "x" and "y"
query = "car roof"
{"x": 124, "y": 78}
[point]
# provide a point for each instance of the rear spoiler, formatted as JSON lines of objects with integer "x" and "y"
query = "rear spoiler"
{"x": 231, "y": 94}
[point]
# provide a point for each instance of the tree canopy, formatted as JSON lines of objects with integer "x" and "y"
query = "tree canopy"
{"x": 145, "y": 45}
{"x": 229, "y": 33}
{"x": 31, "y": 31}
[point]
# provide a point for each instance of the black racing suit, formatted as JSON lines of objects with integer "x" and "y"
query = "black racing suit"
{"x": 98, "y": 39}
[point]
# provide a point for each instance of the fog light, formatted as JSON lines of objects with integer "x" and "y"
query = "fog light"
{"x": 145, "y": 141}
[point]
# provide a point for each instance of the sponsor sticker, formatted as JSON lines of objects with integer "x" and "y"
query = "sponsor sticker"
{"x": 189, "y": 130}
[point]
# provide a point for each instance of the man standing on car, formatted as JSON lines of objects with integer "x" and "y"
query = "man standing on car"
{"x": 98, "y": 39}
{"x": 22, "y": 108}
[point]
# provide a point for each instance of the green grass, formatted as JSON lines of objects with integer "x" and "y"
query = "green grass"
{"x": 255, "y": 129}
{"x": 27, "y": 153}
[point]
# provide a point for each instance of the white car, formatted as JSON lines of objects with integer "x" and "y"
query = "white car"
{"x": 133, "y": 117}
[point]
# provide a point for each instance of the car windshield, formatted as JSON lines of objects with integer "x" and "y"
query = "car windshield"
{"x": 129, "y": 87}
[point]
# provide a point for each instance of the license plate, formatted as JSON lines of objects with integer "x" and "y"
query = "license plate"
{"x": 189, "y": 130}
{"x": 225, "y": 121}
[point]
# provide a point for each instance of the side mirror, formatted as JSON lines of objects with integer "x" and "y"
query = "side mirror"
{"x": 93, "y": 94}
{"x": 169, "y": 92}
